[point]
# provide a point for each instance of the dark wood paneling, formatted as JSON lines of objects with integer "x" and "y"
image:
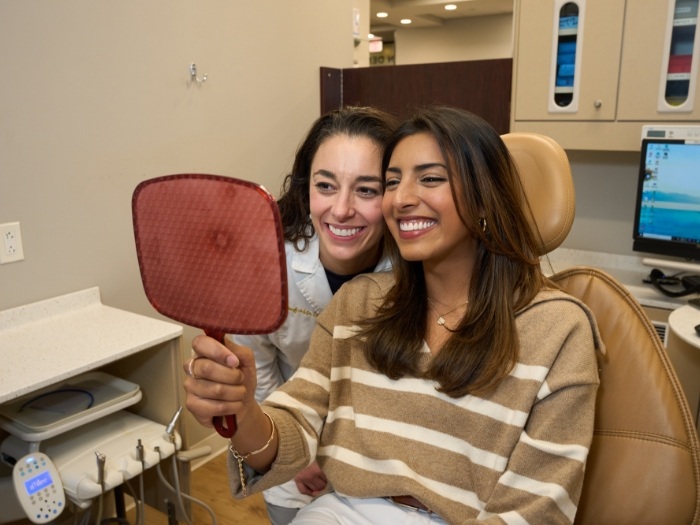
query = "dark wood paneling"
{"x": 330, "y": 89}
{"x": 480, "y": 86}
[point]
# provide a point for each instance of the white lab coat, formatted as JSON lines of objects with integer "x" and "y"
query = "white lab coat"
{"x": 277, "y": 355}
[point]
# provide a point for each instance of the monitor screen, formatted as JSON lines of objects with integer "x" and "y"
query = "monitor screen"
{"x": 667, "y": 217}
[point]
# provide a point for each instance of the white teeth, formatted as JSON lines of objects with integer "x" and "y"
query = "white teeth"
{"x": 343, "y": 232}
{"x": 410, "y": 226}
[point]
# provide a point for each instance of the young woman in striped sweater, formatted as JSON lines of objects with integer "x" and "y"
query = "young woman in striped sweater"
{"x": 458, "y": 388}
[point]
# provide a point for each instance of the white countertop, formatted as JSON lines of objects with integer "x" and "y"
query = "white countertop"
{"x": 683, "y": 321}
{"x": 628, "y": 270}
{"x": 45, "y": 342}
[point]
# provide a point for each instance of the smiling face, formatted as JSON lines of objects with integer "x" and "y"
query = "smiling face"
{"x": 418, "y": 206}
{"x": 345, "y": 197}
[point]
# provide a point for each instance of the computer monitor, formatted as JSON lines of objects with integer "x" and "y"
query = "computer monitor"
{"x": 667, "y": 217}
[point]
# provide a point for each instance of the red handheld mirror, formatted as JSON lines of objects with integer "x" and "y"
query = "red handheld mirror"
{"x": 211, "y": 254}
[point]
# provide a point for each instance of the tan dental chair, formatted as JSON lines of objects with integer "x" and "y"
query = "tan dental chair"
{"x": 644, "y": 463}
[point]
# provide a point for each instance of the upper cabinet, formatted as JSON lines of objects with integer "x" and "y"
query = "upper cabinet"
{"x": 590, "y": 74}
{"x": 659, "y": 68}
{"x": 568, "y": 56}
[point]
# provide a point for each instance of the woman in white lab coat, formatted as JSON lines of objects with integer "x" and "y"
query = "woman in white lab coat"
{"x": 333, "y": 228}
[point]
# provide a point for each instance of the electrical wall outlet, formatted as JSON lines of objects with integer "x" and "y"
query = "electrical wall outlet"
{"x": 10, "y": 243}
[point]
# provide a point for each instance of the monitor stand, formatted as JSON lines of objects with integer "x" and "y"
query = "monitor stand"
{"x": 673, "y": 265}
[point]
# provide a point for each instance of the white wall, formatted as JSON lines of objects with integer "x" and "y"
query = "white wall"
{"x": 361, "y": 43}
{"x": 474, "y": 38}
{"x": 95, "y": 97}
{"x": 606, "y": 187}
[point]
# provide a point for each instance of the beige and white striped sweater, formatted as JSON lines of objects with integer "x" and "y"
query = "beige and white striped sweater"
{"x": 515, "y": 456}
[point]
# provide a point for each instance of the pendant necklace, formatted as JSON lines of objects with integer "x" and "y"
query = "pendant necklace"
{"x": 441, "y": 317}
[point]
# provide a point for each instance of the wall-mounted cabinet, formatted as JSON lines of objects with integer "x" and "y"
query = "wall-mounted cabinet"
{"x": 591, "y": 73}
{"x": 659, "y": 67}
{"x": 543, "y": 88}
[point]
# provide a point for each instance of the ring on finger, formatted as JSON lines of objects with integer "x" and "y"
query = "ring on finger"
{"x": 190, "y": 367}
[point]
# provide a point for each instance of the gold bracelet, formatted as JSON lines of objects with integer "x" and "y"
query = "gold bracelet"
{"x": 241, "y": 458}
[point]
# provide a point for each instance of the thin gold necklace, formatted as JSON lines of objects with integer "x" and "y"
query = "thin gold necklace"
{"x": 441, "y": 317}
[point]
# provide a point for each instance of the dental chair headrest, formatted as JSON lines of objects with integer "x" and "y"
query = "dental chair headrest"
{"x": 545, "y": 174}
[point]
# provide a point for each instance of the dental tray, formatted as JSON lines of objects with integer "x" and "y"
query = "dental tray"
{"x": 64, "y": 406}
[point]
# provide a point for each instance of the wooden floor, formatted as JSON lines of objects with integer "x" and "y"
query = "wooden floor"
{"x": 209, "y": 483}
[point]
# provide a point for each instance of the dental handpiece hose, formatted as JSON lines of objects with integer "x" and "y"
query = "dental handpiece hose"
{"x": 141, "y": 504}
{"x": 101, "y": 460}
{"x": 170, "y": 429}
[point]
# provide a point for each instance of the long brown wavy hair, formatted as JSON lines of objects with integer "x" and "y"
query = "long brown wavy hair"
{"x": 352, "y": 121}
{"x": 485, "y": 184}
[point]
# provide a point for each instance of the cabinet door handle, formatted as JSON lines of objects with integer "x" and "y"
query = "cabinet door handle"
{"x": 597, "y": 103}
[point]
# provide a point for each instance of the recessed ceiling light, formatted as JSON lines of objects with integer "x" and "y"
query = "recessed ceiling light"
{"x": 406, "y": 21}
{"x": 450, "y": 7}
{"x": 382, "y": 14}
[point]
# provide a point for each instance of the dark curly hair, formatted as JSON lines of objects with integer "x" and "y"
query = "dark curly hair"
{"x": 367, "y": 122}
